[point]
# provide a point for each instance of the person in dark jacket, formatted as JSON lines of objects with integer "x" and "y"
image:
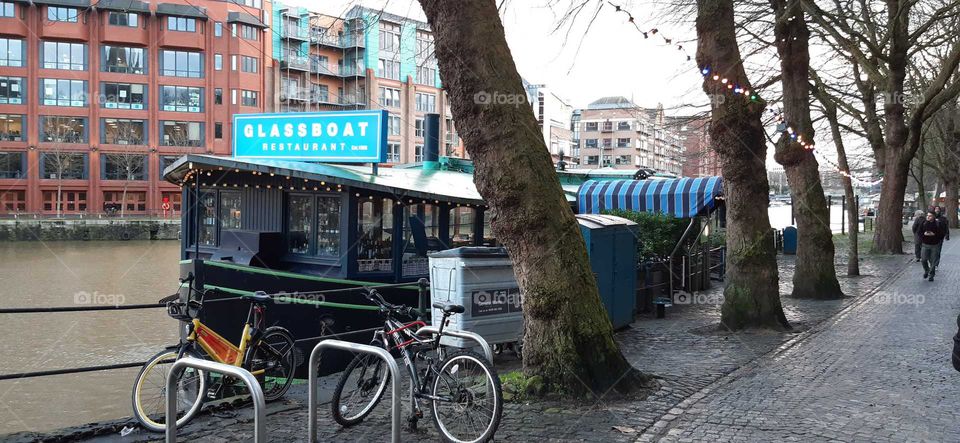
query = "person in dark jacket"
{"x": 918, "y": 218}
{"x": 931, "y": 235}
{"x": 945, "y": 224}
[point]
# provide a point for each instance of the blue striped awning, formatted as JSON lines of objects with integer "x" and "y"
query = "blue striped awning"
{"x": 682, "y": 197}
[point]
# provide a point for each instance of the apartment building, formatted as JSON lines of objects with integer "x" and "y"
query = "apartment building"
{"x": 699, "y": 159}
{"x": 553, "y": 119}
{"x": 367, "y": 59}
{"x": 97, "y": 98}
{"x": 616, "y": 133}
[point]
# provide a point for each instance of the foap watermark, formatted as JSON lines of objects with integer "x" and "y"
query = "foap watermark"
{"x": 499, "y": 98}
{"x": 697, "y": 298}
{"x": 98, "y": 298}
{"x": 899, "y": 298}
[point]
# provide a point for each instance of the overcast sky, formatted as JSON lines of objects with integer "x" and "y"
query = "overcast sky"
{"x": 611, "y": 59}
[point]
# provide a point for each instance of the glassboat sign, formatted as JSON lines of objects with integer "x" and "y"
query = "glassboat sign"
{"x": 341, "y": 136}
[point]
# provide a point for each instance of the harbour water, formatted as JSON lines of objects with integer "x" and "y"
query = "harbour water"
{"x": 43, "y": 274}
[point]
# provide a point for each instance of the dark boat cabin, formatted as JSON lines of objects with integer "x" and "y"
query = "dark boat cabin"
{"x": 335, "y": 221}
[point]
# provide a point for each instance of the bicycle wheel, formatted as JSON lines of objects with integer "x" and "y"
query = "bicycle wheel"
{"x": 150, "y": 391}
{"x": 274, "y": 355}
{"x": 468, "y": 400}
{"x": 360, "y": 389}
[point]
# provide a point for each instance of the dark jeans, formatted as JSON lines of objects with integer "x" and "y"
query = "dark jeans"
{"x": 930, "y": 257}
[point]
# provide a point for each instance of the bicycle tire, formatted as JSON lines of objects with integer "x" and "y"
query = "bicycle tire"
{"x": 286, "y": 362}
{"x": 137, "y": 398}
{"x": 451, "y": 363}
{"x": 379, "y": 367}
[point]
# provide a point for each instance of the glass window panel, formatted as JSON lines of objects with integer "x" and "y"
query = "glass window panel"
{"x": 375, "y": 223}
{"x": 299, "y": 223}
{"x": 208, "y": 218}
{"x": 328, "y": 226}
{"x": 461, "y": 226}
{"x": 229, "y": 210}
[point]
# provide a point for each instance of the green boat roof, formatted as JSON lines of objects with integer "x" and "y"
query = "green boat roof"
{"x": 432, "y": 184}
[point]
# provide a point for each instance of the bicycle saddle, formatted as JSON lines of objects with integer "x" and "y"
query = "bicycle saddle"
{"x": 449, "y": 308}
{"x": 259, "y": 297}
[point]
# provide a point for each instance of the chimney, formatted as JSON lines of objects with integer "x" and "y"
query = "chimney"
{"x": 431, "y": 142}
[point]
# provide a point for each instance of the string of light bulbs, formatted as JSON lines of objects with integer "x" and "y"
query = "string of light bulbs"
{"x": 733, "y": 87}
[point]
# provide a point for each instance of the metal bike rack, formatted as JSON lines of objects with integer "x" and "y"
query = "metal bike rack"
{"x": 259, "y": 405}
{"x": 433, "y": 330}
{"x": 354, "y": 347}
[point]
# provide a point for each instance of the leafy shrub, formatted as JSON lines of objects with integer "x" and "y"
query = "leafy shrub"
{"x": 657, "y": 233}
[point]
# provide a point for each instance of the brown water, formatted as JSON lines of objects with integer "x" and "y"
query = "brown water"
{"x": 66, "y": 274}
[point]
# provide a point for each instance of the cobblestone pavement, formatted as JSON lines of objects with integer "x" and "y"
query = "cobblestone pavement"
{"x": 696, "y": 365}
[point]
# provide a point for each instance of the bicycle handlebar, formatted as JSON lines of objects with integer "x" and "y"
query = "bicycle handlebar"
{"x": 373, "y": 295}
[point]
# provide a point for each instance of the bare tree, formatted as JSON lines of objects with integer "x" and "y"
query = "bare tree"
{"x": 129, "y": 163}
{"x": 568, "y": 338}
{"x": 61, "y": 159}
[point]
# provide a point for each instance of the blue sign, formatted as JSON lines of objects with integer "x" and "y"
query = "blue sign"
{"x": 340, "y": 136}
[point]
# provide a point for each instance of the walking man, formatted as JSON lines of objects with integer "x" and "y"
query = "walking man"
{"x": 918, "y": 218}
{"x": 931, "y": 235}
{"x": 945, "y": 224}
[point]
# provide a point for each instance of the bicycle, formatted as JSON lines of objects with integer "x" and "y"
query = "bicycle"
{"x": 269, "y": 354}
{"x": 457, "y": 385}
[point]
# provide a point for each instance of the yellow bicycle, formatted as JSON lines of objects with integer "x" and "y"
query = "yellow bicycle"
{"x": 269, "y": 354}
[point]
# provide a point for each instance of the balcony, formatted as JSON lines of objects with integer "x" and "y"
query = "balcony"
{"x": 297, "y": 62}
{"x": 292, "y": 33}
{"x": 317, "y": 67}
{"x": 290, "y": 93}
{"x": 337, "y": 41}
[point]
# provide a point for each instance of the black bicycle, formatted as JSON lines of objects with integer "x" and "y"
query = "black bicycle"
{"x": 462, "y": 387}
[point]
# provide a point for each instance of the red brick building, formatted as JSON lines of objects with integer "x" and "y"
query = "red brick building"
{"x": 698, "y": 160}
{"x": 96, "y": 99}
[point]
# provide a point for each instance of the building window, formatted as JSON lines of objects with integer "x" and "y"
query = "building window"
{"x": 623, "y": 126}
{"x": 418, "y": 153}
{"x": 120, "y": 131}
{"x": 130, "y": 201}
{"x": 389, "y": 37}
{"x": 623, "y": 142}
{"x": 623, "y": 159}
{"x": 217, "y": 29}
{"x": 248, "y": 64}
{"x": 321, "y": 93}
{"x": 375, "y": 244}
{"x": 11, "y": 128}
{"x": 607, "y": 143}
{"x": 182, "y": 24}
{"x": 248, "y": 98}
{"x": 418, "y": 128}
{"x": 13, "y": 201}
{"x": 248, "y": 32}
{"x": 590, "y": 143}
{"x": 426, "y": 102}
{"x": 393, "y": 152}
{"x": 299, "y": 223}
{"x": 389, "y": 97}
{"x": 393, "y": 124}
{"x": 8, "y": 9}
{"x": 123, "y": 60}
{"x": 123, "y": 96}
{"x": 56, "y": 129}
{"x": 218, "y": 96}
{"x": 12, "y": 164}
{"x": 181, "y": 99}
{"x": 11, "y": 52}
{"x": 165, "y": 161}
{"x": 217, "y": 62}
{"x": 426, "y": 75}
{"x": 207, "y": 234}
{"x": 181, "y": 134}
{"x": 63, "y": 165}
{"x": 252, "y": 3}
{"x": 181, "y": 63}
{"x": 218, "y": 130}
{"x": 461, "y": 226}
{"x": 592, "y": 160}
{"x": 230, "y": 214}
{"x": 119, "y": 166}
{"x": 424, "y": 44}
{"x": 389, "y": 69}
{"x": 60, "y": 92}
{"x": 11, "y": 90}
{"x": 63, "y": 55}
{"x": 174, "y": 199}
{"x": 64, "y": 201}
{"x": 61, "y": 14}
{"x": 591, "y": 126}
{"x": 328, "y": 226}
{"x": 123, "y": 18}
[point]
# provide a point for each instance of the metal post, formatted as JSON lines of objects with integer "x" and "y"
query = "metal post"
{"x": 354, "y": 347}
{"x": 843, "y": 214}
{"x": 434, "y": 330}
{"x": 256, "y": 393}
{"x": 196, "y": 216}
{"x": 793, "y": 210}
{"x": 830, "y": 212}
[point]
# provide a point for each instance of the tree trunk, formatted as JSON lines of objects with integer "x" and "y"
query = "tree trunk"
{"x": 815, "y": 275}
{"x": 751, "y": 296}
{"x": 568, "y": 338}
{"x": 888, "y": 238}
{"x": 853, "y": 213}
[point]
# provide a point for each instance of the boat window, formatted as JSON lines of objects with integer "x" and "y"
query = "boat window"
{"x": 299, "y": 223}
{"x": 461, "y": 226}
{"x": 229, "y": 210}
{"x": 328, "y": 226}
{"x": 375, "y": 250}
{"x": 208, "y": 218}
{"x": 421, "y": 235}
{"x": 489, "y": 238}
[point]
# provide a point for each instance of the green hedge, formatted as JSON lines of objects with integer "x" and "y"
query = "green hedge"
{"x": 658, "y": 233}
